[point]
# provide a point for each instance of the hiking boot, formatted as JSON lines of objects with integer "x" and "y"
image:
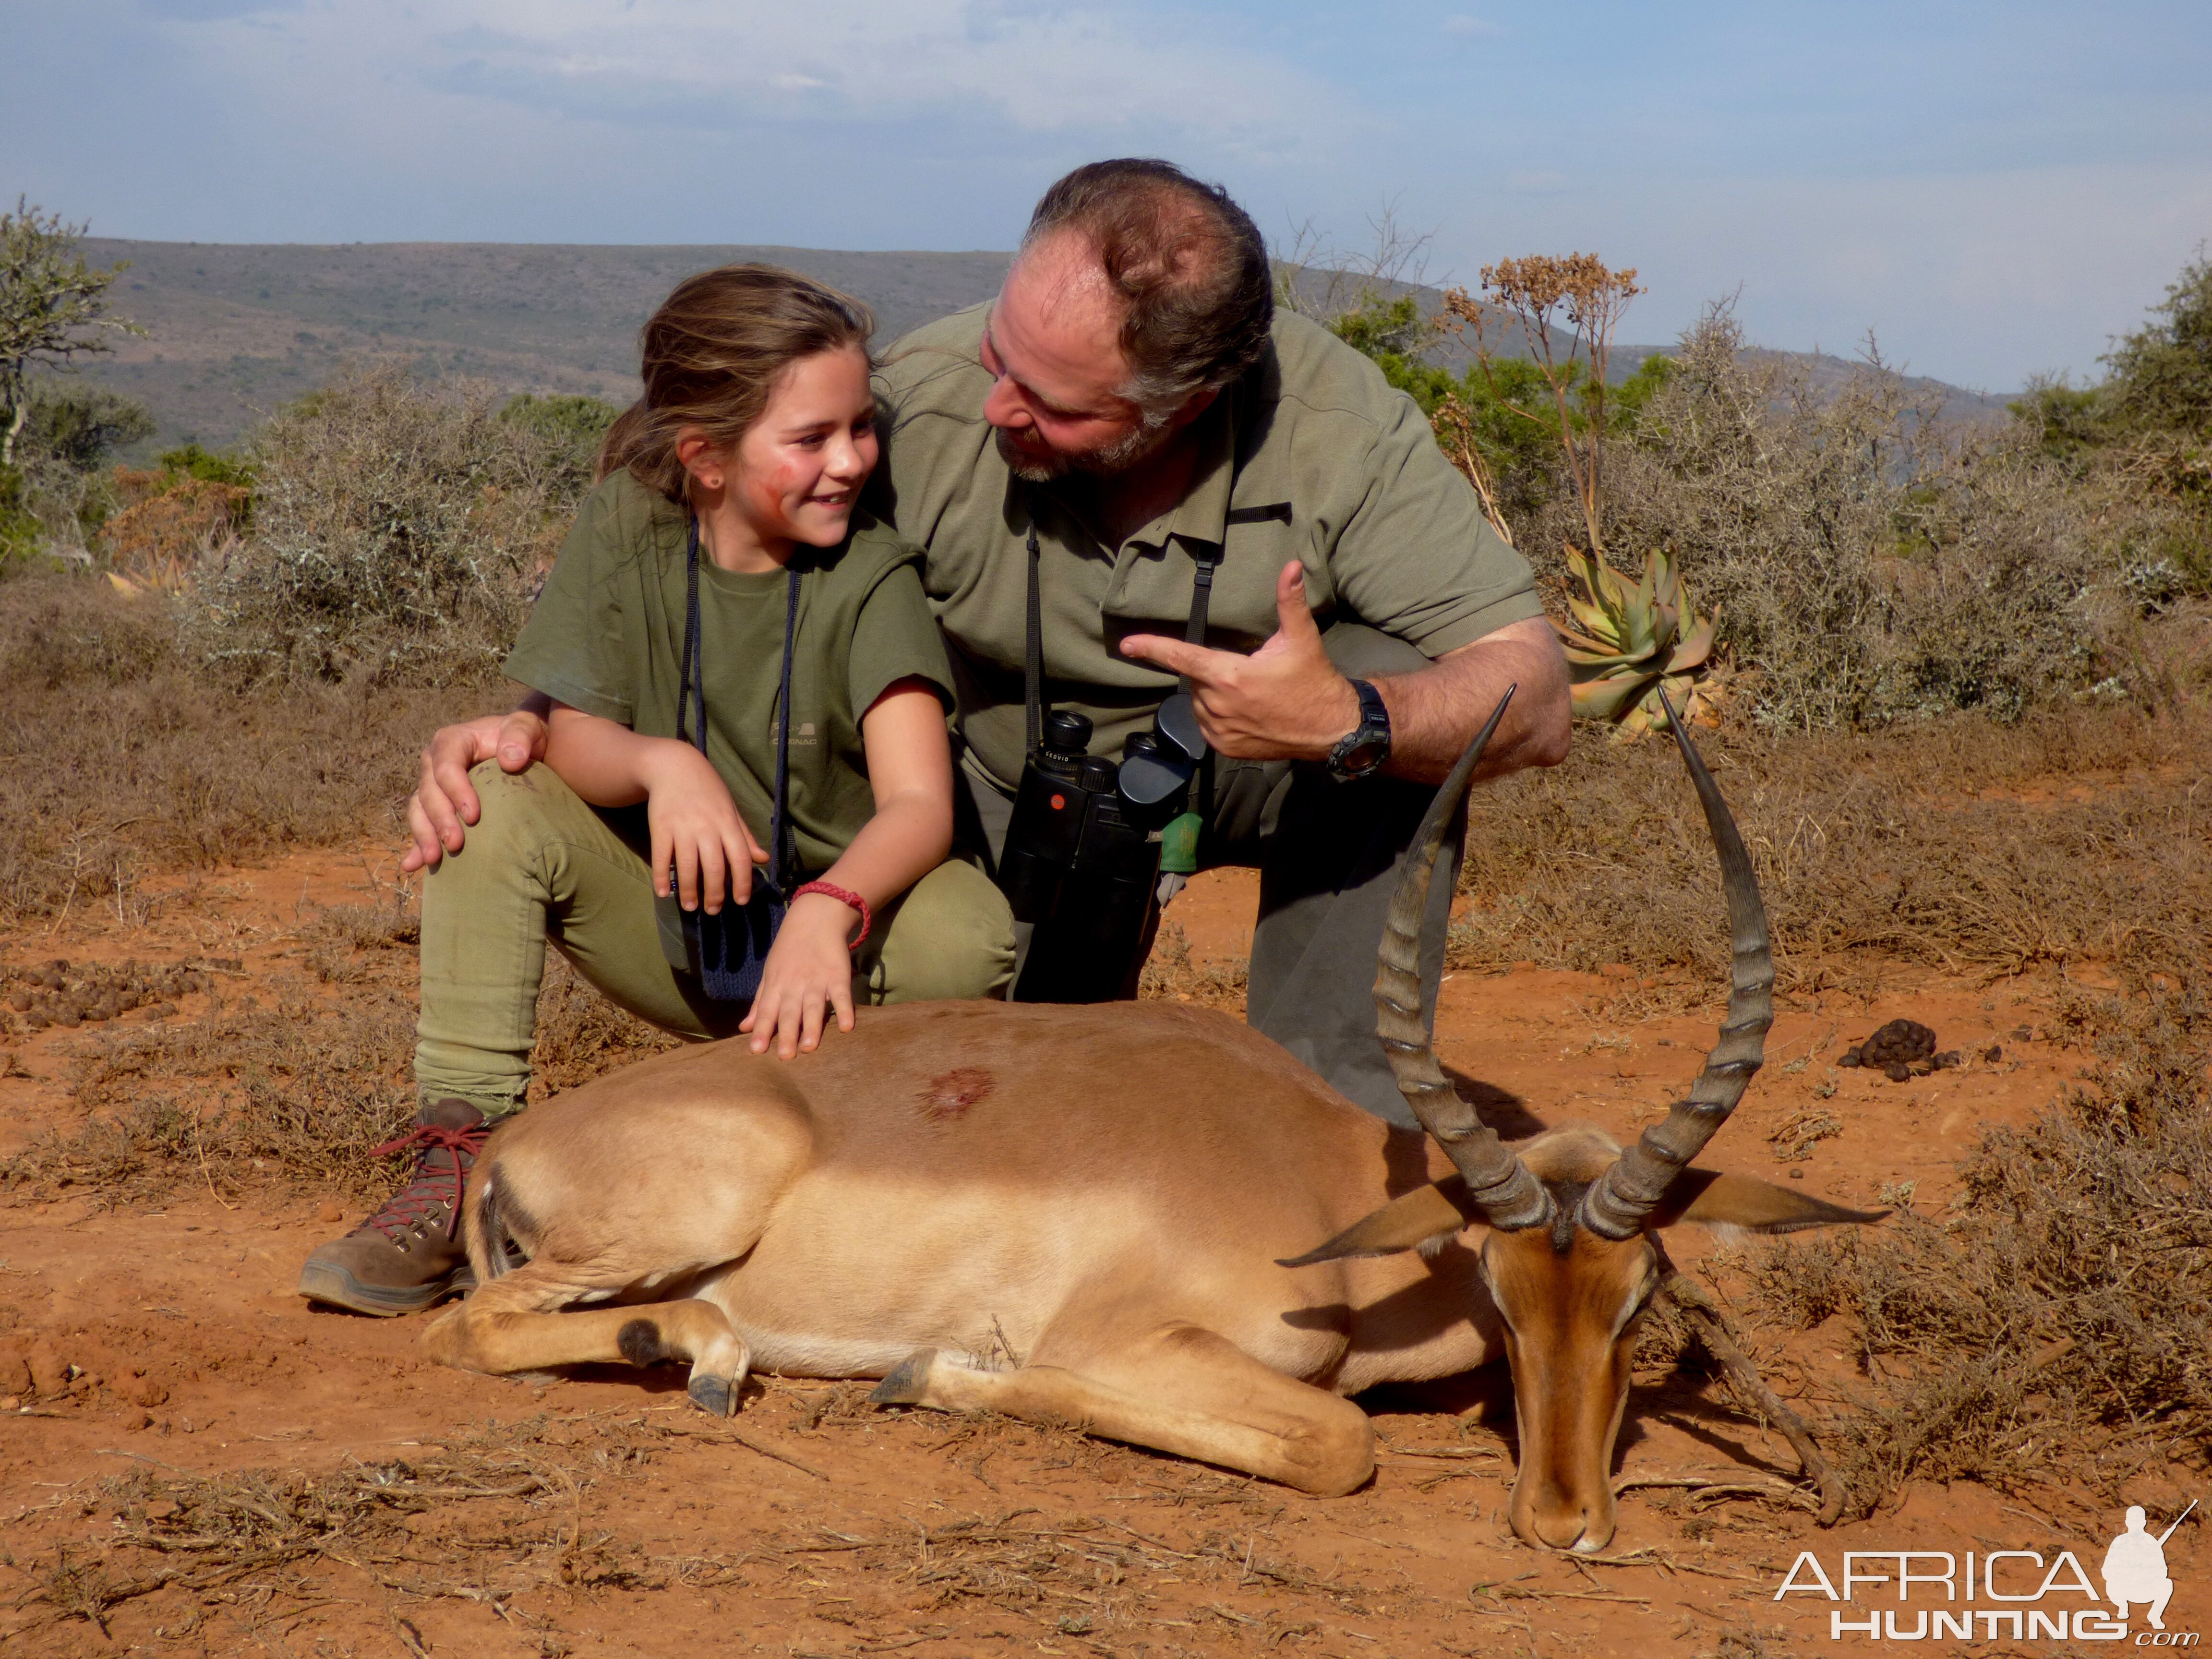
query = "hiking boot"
{"x": 408, "y": 1255}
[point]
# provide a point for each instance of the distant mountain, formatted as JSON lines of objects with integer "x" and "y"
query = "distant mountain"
{"x": 236, "y": 329}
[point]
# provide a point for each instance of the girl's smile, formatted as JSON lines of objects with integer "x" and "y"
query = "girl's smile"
{"x": 796, "y": 474}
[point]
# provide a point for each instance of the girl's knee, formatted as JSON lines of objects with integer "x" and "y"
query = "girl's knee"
{"x": 951, "y": 938}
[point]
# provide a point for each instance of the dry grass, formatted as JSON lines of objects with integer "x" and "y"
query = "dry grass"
{"x": 539, "y": 1520}
{"x": 1170, "y": 975}
{"x": 2071, "y": 837}
{"x": 116, "y": 761}
{"x": 293, "y": 1086}
{"x": 2057, "y": 1323}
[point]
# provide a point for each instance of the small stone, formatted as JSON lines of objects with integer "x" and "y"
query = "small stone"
{"x": 1994, "y": 1052}
{"x": 1897, "y": 1070}
{"x": 1850, "y": 1057}
{"x": 67, "y": 1014}
{"x": 330, "y": 1212}
{"x": 2021, "y": 1034}
{"x": 1796, "y": 1174}
{"x": 1949, "y": 1060}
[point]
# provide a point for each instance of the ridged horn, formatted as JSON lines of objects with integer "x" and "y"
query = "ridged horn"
{"x": 1616, "y": 1205}
{"x": 1500, "y": 1185}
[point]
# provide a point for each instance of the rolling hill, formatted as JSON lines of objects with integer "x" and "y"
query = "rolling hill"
{"x": 236, "y": 329}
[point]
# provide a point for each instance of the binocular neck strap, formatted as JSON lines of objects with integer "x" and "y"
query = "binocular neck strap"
{"x": 1204, "y": 553}
{"x": 691, "y": 699}
{"x": 1033, "y": 651}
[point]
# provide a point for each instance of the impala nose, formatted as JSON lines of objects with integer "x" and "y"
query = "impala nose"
{"x": 1568, "y": 1527}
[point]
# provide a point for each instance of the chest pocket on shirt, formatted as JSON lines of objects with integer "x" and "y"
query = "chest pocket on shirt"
{"x": 1153, "y": 594}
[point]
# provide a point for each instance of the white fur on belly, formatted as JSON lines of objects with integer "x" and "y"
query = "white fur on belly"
{"x": 810, "y": 1353}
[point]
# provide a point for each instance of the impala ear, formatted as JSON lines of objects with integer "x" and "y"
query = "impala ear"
{"x": 1434, "y": 1211}
{"x": 1706, "y": 1199}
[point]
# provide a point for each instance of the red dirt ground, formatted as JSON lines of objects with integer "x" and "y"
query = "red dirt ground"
{"x": 813, "y": 1526}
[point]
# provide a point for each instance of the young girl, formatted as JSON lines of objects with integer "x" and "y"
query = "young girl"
{"x": 720, "y": 557}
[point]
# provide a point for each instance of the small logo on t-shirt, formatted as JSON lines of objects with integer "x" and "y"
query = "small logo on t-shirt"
{"x": 805, "y": 733}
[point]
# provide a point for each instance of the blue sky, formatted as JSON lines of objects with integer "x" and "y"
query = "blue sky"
{"x": 1994, "y": 189}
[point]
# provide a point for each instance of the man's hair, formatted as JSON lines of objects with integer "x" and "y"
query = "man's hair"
{"x": 1188, "y": 264}
{"x": 713, "y": 354}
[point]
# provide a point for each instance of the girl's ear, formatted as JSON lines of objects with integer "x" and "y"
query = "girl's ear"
{"x": 700, "y": 459}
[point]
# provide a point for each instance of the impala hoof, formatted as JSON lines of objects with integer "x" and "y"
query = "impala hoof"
{"x": 908, "y": 1382}
{"x": 717, "y": 1396}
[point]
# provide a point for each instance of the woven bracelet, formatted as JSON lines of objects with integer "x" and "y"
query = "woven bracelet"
{"x": 844, "y": 895}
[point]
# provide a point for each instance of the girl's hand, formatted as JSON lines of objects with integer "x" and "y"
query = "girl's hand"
{"x": 809, "y": 968}
{"x": 696, "y": 828}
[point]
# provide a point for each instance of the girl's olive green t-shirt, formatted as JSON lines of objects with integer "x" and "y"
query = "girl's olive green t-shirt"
{"x": 606, "y": 637}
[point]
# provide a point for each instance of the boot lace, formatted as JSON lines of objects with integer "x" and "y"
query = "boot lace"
{"x": 418, "y": 1202}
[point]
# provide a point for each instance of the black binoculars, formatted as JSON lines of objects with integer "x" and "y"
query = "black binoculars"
{"x": 1082, "y": 856}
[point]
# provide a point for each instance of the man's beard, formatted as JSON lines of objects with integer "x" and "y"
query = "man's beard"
{"x": 1140, "y": 444}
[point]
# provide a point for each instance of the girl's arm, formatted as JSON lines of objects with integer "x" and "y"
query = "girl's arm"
{"x": 809, "y": 967}
{"x": 694, "y": 823}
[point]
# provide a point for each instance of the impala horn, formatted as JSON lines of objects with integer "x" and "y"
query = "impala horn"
{"x": 1499, "y": 1184}
{"x": 1616, "y": 1205}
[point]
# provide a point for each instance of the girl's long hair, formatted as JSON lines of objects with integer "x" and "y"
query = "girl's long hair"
{"x": 712, "y": 354}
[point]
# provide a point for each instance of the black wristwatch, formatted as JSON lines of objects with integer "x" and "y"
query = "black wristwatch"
{"x": 1361, "y": 751}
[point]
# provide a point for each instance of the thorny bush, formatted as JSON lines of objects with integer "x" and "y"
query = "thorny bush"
{"x": 2062, "y": 1315}
{"x": 399, "y": 531}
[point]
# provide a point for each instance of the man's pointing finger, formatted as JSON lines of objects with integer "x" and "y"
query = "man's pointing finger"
{"x": 1176, "y": 656}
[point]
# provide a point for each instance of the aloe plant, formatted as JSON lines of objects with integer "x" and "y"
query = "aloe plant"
{"x": 1631, "y": 639}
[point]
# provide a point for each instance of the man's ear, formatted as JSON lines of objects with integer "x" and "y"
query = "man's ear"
{"x": 1434, "y": 1211}
{"x": 1706, "y": 1199}
{"x": 1193, "y": 406}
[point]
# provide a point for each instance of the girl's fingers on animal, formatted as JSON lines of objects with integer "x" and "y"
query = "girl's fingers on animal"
{"x": 841, "y": 998}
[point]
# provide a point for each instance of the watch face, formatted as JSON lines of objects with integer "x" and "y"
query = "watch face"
{"x": 1364, "y": 756}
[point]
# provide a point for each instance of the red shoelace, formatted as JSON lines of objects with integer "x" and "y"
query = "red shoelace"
{"x": 418, "y": 1201}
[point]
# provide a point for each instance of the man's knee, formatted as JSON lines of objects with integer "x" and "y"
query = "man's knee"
{"x": 951, "y": 938}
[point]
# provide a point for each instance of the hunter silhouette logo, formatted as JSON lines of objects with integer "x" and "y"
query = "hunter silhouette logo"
{"x": 2032, "y": 1594}
{"x": 2135, "y": 1566}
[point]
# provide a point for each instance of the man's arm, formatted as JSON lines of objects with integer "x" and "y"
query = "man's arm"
{"x": 444, "y": 799}
{"x": 1287, "y": 701}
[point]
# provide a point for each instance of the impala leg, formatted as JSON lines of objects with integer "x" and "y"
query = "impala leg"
{"x": 518, "y": 1322}
{"x": 1181, "y": 1389}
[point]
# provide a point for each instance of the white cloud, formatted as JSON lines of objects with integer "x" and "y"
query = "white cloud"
{"x": 1041, "y": 69}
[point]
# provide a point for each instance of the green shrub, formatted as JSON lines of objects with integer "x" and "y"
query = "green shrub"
{"x": 191, "y": 461}
{"x": 569, "y": 428}
{"x": 399, "y": 531}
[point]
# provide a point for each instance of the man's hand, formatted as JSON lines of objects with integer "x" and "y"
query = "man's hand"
{"x": 444, "y": 799}
{"x": 1284, "y": 701}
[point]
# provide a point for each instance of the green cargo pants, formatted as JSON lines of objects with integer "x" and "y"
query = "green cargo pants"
{"x": 542, "y": 864}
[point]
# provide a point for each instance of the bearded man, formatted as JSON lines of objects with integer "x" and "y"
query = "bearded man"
{"x": 1134, "y": 406}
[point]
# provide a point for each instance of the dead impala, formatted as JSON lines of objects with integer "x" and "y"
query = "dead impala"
{"x": 1104, "y": 1216}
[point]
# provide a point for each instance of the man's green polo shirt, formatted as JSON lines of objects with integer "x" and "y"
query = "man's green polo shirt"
{"x": 1310, "y": 456}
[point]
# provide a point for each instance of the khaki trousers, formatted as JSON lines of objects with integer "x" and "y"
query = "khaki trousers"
{"x": 543, "y": 864}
